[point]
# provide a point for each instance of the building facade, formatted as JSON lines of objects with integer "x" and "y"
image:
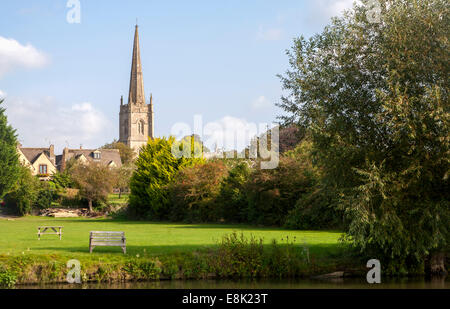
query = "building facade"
{"x": 41, "y": 161}
{"x": 136, "y": 117}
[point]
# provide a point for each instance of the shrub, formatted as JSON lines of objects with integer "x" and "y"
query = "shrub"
{"x": 156, "y": 168}
{"x": 23, "y": 197}
{"x": 273, "y": 193}
{"x": 194, "y": 193}
{"x": 233, "y": 194}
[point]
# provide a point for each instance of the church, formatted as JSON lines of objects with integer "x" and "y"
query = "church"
{"x": 136, "y": 117}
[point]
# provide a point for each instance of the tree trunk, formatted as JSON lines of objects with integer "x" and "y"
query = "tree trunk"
{"x": 437, "y": 264}
{"x": 90, "y": 207}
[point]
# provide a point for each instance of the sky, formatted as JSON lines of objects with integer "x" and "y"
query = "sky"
{"x": 62, "y": 77}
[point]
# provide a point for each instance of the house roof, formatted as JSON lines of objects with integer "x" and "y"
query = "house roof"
{"x": 106, "y": 156}
{"x": 33, "y": 153}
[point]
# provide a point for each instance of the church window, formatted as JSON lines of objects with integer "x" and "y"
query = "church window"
{"x": 141, "y": 127}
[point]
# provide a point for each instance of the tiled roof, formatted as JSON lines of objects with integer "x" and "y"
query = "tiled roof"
{"x": 33, "y": 153}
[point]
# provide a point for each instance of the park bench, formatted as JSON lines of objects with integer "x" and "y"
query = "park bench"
{"x": 49, "y": 230}
{"x": 102, "y": 238}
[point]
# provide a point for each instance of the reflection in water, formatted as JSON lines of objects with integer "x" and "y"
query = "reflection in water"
{"x": 346, "y": 283}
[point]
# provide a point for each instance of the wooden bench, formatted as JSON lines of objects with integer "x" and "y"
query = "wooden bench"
{"x": 102, "y": 238}
{"x": 42, "y": 230}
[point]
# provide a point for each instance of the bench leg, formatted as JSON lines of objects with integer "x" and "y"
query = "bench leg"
{"x": 124, "y": 250}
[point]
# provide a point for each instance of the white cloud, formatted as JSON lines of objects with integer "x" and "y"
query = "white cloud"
{"x": 321, "y": 11}
{"x": 2, "y": 94}
{"x": 272, "y": 34}
{"x": 15, "y": 55}
{"x": 44, "y": 121}
{"x": 261, "y": 103}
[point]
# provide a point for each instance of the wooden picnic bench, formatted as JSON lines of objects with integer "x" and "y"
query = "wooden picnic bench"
{"x": 42, "y": 230}
{"x": 105, "y": 238}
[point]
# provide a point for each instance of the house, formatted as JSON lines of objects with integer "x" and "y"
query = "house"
{"x": 107, "y": 157}
{"x": 41, "y": 161}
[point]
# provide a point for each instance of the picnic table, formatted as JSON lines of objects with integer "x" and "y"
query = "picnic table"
{"x": 49, "y": 230}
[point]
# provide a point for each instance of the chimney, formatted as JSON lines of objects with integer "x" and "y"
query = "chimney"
{"x": 51, "y": 151}
{"x": 65, "y": 157}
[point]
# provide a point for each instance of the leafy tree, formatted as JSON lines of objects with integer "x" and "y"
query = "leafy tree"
{"x": 9, "y": 160}
{"x": 272, "y": 193}
{"x": 375, "y": 98}
{"x": 122, "y": 177}
{"x": 194, "y": 193}
{"x": 24, "y": 193}
{"x": 94, "y": 180}
{"x": 127, "y": 154}
{"x": 156, "y": 168}
{"x": 233, "y": 193}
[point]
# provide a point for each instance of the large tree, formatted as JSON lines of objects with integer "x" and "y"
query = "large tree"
{"x": 156, "y": 168}
{"x": 9, "y": 161}
{"x": 373, "y": 90}
{"x": 94, "y": 180}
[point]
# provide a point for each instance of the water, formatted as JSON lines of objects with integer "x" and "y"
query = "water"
{"x": 344, "y": 283}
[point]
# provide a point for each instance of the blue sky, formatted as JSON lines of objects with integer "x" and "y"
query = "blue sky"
{"x": 219, "y": 59}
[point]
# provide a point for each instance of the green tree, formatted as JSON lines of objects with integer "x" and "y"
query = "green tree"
{"x": 122, "y": 177}
{"x": 24, "y": 193}
{"x": 233, "y": 193}
{"x": 375, "y": 98}
{"x": 127, "y": 154}
{"x": 156, "y": 168}
{"x": 94, "y": 180}
{"x": 194, "y": 193}
{"x": 9, "y": 160}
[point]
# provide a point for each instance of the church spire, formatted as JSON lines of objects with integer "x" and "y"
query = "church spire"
{"x": 136, "y": 94}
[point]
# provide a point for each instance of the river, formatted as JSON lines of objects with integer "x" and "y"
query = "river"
{"x": 344, "y": 283}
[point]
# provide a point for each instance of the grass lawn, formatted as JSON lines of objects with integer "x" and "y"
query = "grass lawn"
{"x": 19, "y": 237}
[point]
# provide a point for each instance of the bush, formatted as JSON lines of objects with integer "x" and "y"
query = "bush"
{"x": 156, "y": 168}
{"x": 23, "y": 197}
{"x": 315, "y": 210}
{"x": 233, "y": 194}
{"x": 273, "y": 193}
{"x": 194, "y": 193}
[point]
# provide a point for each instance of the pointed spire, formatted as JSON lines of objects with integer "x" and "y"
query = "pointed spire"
{"x": 136, "y": 95}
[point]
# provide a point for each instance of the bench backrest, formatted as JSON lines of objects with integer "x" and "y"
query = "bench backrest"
{"x": 107, "y": 236}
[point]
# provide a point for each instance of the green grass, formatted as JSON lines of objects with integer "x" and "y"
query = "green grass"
{"x": 19, "y": 237}
{"x": 113, "y": 199}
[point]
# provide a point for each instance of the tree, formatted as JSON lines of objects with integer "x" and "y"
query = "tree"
{"x": 9, "y": 160}
{"x": 156, "y": 168}
{"x": 127, "y": 154}
{"x": 374, "y": 96}
{"x": 233, "y": 193}
{"x": 194, "y": 193}
{"x": 94, "y": 180}
{"x": 24, "y": 193}
{"x": 122, "y": 178}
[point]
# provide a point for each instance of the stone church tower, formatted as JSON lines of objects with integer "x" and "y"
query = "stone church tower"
{"x": 136, "y": 117}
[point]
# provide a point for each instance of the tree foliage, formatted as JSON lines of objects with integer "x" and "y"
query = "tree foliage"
{"x": 194, "y": 193}
{"x": 126, "y": 153}
{"x": 375, "y": 97}
{"x": 156, "y": 168}
{"x": 94, "y": 180}
{"x": 24, "y": 193}
{"x": 9, "y": 162}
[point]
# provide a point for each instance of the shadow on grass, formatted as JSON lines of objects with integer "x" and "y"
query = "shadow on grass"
{"x": 318, "y": 250}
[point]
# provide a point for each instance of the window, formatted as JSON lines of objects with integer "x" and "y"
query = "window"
{"x": 43, "y": 169}
{"x": 141, "y": 127}
{"x": 97, "y": 155}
